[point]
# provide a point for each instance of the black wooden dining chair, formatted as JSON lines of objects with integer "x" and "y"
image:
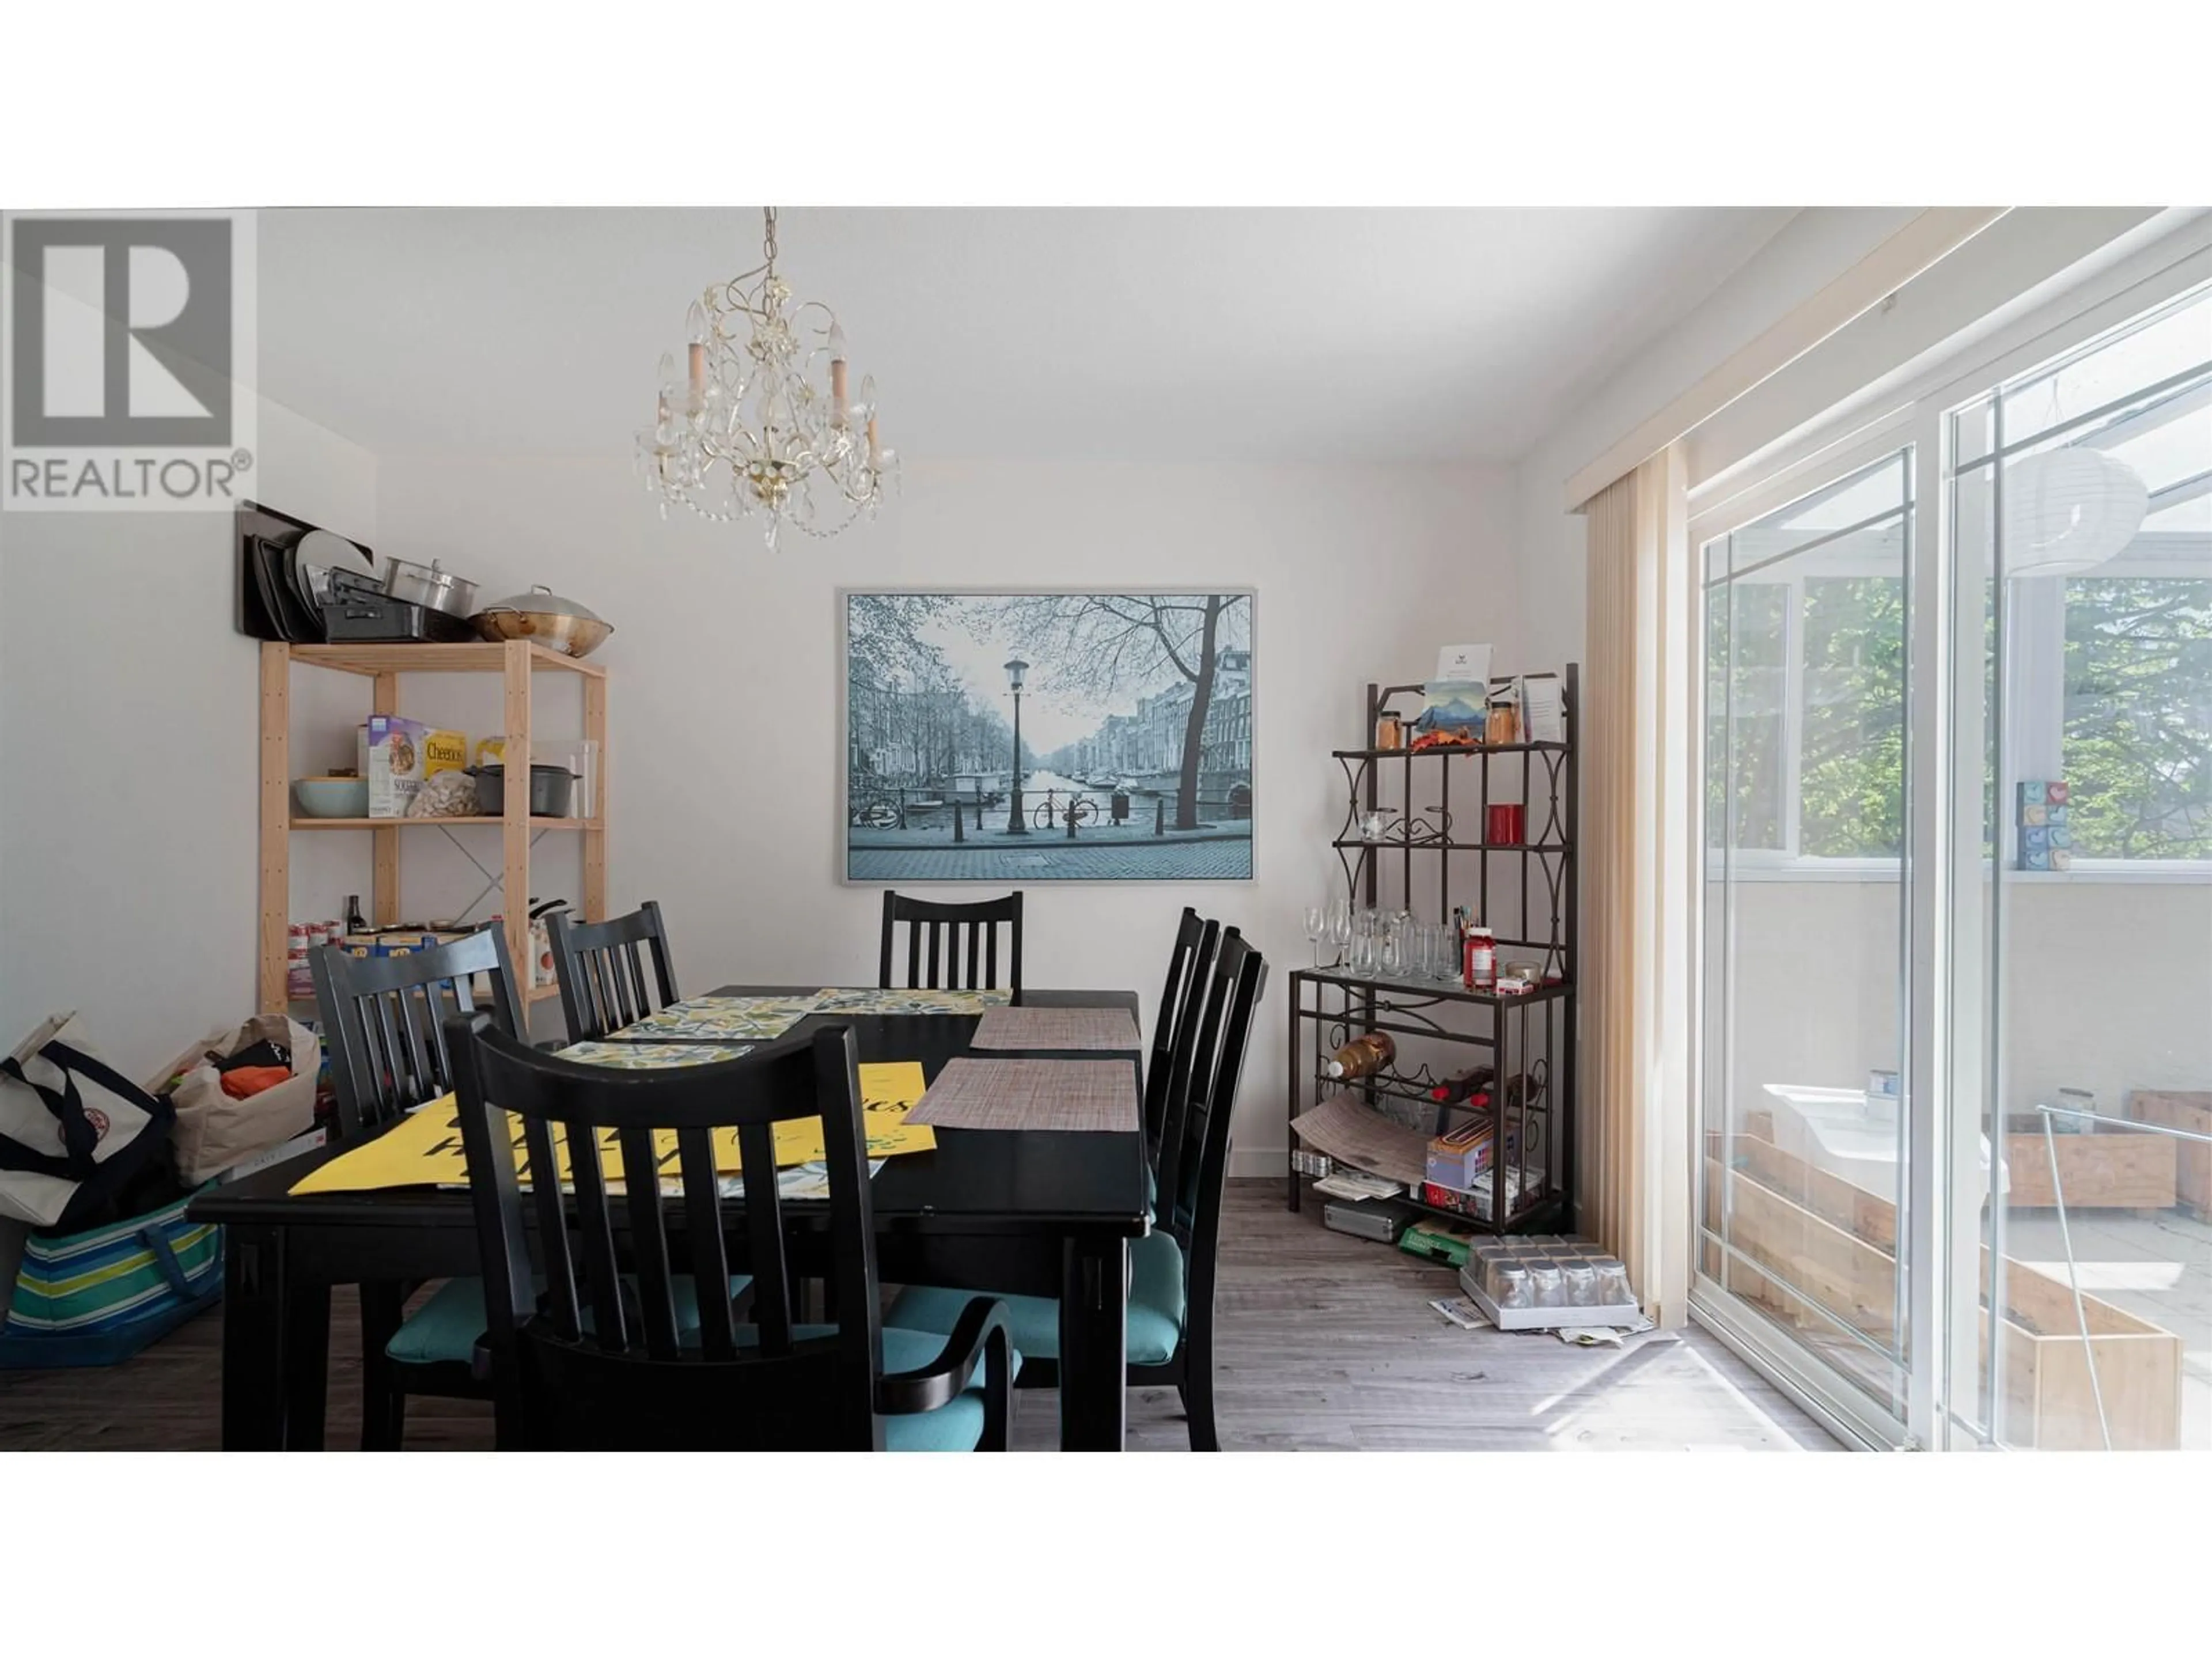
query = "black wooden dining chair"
{"x": 603, "y": 1359}
{"x": 1173, "y": 1269}
{"x": 1168, "y": 1068}
{"x": 383, "y": 1022}
{"x": 600, "y": 966}
{"x": 948, "y": 928}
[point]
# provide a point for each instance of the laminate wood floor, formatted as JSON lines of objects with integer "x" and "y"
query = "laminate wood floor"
{"x": 1327, "y": 1343}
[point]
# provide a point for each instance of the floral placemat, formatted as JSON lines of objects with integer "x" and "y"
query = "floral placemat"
{"x": 867, "y": 999}
{"x": 706, "y": 1019}
{"x": 646, "y": 1056}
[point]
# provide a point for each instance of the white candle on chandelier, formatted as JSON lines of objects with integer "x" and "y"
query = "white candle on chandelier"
{"x": 873, "y": 452}
{"x": 838, "y": 372}
{"x": 696, "y": 331}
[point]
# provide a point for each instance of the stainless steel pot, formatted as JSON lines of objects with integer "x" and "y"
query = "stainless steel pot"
{"x": 543, "y": 616}
{"x": 429, "y": 585}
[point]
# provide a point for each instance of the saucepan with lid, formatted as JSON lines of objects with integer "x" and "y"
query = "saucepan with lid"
{"x": 543, "y": 616}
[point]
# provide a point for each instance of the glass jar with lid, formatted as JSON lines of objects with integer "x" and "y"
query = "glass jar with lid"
{"x": 1547, "y": 1286}
{"x": 1613, "y": 1288}
{"x": 1580, "y": 1277}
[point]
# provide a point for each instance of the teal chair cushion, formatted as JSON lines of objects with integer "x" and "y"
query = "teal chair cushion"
{"x": 955, "y": 1427}
{"x": 1156, "y": 1307}
{"x": 444, "y": 1328}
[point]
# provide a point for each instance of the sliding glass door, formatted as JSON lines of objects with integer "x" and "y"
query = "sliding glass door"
{"x": 1808, "y": 708}
{"x": 1954, "y": 1061}
{"x": 2081, "y": 493}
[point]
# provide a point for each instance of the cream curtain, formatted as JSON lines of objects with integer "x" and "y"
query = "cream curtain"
{"x": 1638, "y": 691}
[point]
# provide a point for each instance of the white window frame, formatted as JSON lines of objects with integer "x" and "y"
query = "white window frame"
{"x": 1724, "y": 504}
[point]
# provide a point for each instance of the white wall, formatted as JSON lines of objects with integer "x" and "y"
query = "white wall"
{"x": 1803, "y": 257}
{"x": 128, "y": 763}
{"x": 725, "y": 677}
{"x": 128, "y": 770}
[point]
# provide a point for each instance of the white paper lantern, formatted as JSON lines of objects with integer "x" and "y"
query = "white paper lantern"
{"x": 2068, "y": 510}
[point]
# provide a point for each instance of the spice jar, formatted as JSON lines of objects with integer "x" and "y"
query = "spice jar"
{"x": 1486, "y": 1260}
{"x": 1514, "y": 1289}
{"x": 1580, "y": 1277}
{"x": 1547, "y": 1286}
{"x": 1389, "y": 732}
{"x": 1612, "y": 1289}
{"x": 1503, "y": 725}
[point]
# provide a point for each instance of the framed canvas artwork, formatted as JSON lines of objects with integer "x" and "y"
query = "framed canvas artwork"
{"x": 1064, "y": 736}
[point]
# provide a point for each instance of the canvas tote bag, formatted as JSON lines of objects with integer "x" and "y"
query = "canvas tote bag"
{"x": 215, "y": 1132}
{"x": 72, "y": 1128}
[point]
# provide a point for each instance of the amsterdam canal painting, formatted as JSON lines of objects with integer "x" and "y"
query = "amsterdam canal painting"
{"x": 1049, "y": 737}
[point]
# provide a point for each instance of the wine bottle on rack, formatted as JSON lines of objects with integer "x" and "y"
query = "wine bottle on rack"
{"x": 1469, "y": 1088}
{"x": 1362, "y": 1056}
{"x": 1522, "y": 1092}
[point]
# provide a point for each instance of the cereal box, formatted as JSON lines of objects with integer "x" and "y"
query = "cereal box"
{"x": 395, "y": 755}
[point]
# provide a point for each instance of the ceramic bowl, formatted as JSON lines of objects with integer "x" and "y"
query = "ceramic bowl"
{"x": 332, "y": 798}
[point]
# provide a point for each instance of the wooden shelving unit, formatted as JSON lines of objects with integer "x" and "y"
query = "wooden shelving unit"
{"x": 517, "y": 662}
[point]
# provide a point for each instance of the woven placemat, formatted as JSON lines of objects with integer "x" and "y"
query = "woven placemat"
{"x": 1031, "y": 1094}
{"x": 1055, "y": 1028}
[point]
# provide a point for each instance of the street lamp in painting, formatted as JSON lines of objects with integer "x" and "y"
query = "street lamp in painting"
{"x": 1015, "y": 669}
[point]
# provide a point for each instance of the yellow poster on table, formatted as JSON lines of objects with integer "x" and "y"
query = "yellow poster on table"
{"x": 425, "y": 1149}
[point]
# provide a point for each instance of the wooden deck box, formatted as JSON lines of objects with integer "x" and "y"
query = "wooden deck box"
{"x": 1797, "y": 1229}
{"x": 2118, "y": 1170}
{"x": 2182, "y": 1109}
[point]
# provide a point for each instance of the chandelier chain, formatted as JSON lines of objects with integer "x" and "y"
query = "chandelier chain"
{"x": 767, "y": 240}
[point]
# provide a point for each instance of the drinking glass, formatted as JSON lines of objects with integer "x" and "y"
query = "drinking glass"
{"x": 1362, "y": 945}
{"x": 1390, "y": 954}
{"x": 1316, "y": 929}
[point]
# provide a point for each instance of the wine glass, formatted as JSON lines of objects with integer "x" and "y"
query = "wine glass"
{"x": 1339, "y": 926}
{"x": 1316, "y": 929}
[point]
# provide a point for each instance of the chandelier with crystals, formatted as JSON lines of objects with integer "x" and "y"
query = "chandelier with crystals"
{"x": 762, "y": 420}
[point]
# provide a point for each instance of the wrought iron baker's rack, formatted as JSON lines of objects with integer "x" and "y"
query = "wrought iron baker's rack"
{"x": 1422, "y": 861}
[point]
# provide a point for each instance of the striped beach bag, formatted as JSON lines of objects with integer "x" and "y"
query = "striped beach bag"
{"x": 97, "y": 1296}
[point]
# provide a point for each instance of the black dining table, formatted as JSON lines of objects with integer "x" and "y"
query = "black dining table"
{"x": 1039, "y": 1213}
